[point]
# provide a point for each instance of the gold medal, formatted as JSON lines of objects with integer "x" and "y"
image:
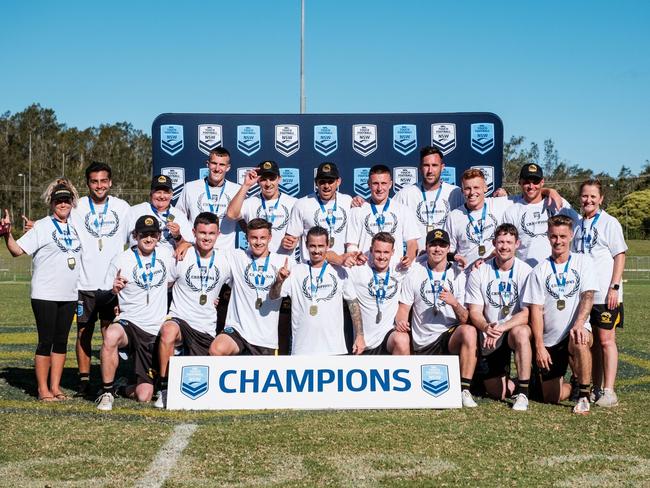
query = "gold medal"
{"x": 378, "y": 317}
{"x": 99, "y": 244}
{"x": 203, "y": 299}
{"x": 258, "y": 303}
{"x": 313, "y": 310}
{"x": 331, "y": 242}
{"x": 170, "y": 218}
{"x": 71, "y": 263}
{"x": 505, "y": 310}
{"x": 561, "y": 304}
{"x": 481, "y": 250}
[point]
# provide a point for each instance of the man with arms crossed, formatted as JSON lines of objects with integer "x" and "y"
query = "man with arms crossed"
{"x": 493, "y": 295}
{"x": 436, "y": 292}
{"x": 560, "y": 293}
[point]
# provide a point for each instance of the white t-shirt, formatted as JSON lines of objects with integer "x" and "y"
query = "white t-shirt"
{"x": 193, "y": 279}
{"x": 433, "y": 213}
{"x": 321, "y": 333}
{"x": 399, "y": 221}
{"x": 258, "y": 326}
{"x": 52, "y": 278}
{"x": 278, "y": 216}
{"x": 194, "y": 200}
{"x": 166, "y": 240}
{"x": 484, "y": 288}
{"x": 307, "y": 213}
{"x": 417, "y": 291}
{"x": 366, "y": 290}
{"x": 132, "y": 298}
{"x": 531, "y": 220}
{"x": 466, "y": 236}
{"x": 602, "y": 242}
{"x": 109, "y": 224}
{"x": 542, "y": 289}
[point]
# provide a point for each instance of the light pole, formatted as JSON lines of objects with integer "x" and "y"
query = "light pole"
{"x": 24, "y": 191}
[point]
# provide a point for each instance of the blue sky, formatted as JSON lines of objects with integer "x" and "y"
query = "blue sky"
{"x": 577, "y": 72}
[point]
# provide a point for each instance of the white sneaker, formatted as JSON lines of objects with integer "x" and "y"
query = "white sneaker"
{"x": 105, "y": 401}
{"x": 521, "y": 403}
{"x": 582, "y": 407}
{"x": 161, "y": 401}
{"x": 468, "y": 401}
{"x": 607, "y": 399}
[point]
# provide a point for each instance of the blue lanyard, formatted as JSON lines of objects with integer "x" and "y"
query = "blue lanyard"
{"x": 380, "y": 219}
{"x": 99, "y": 221}
{"x": 436, "y": 289}
{"x": 586, "y": 237}
{"x": 204, "y": 279}
{"x": 426, "y": 203}
{"x": 319, "y": 280}
{"x": 209, "y": 197}
{"x": 380, "y": 293}
{"x": 148, "y": 278}
{"x": 330, "y": 214}
{"x": 477, "y": 229}
{"x": 505, "y": 298}
{"x": 162, "y": 217}
{"x": 561, "y": 284}
{"x": 66, "y": 235}
{"x": 266, "y": 213}
{"x": 259, "y": 276}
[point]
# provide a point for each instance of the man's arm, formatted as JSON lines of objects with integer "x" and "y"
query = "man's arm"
{"x": 283, "y": 273}
{"x": 459, "y": 310}
{"x": 402, "y": 318}
{"x": 233, "y": 211}
{"x": 578, "y": 332}
{"x": 411, "y": 253}
{"x": 355, "y": 312}
{"x": 477, "y": 318}
{"x": 543, "y": 358}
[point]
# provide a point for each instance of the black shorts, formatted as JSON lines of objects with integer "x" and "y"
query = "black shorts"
{"x": 560, "y": 358}
{"x": 195, "y": 343}
{"x": 88, "y": 309}
{"x": 143, "y": 347}
{"x": 439, "y": 347}
{"x": 245, "y": 347}
{"x": 604, "y": 318}
{"x": 496, "y": 364}
{"x": 381, "y": 349}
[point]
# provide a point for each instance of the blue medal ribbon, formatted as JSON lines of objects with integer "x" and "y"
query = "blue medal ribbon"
{"x": 561, "y": 284}
{"x": 430, "y": 213}
{"x": 99, "y": 221}
{"x": 380, "y": 293}
{"x": 204, "y": 279}
{"x": 163, "y": 219}
{"x": 380, "y": 218}
{"x": 588, "y": 236}
{"x": 330, "y": 215}
{"x": 259, "y": 275}
{"x": 478, "y": 229}
{"x": 209, "y": 196}
{"x": 266, "y": 213}
{"x": 502, "y": 286}
{"x": 147, "y": 278}
{"x": 319, "y": 280}
{"x": 67, "y": 237}
{"x": 436, "y": 289}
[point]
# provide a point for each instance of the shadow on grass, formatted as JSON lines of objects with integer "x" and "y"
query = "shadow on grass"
{"x": 23, "y": 379}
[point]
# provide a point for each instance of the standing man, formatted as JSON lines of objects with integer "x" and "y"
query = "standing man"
{"x": 140, "y": 276}
{"x": 252, "y": 322}
{"x": 326, "y": 208}
{"x": 530, "y": 212}
{"x": 317, "y": 289}
{"x": 433, "y": 199}
{"x": 377, "y": 285}
{"x": 197, "y": 281}
{"x": 494, "y": 296}
{"x": 212, "y": 194}
{"x": 436, "y": 292}
{"x": 271, "y": 205}
{"x": 102, "y": 223}
{"x": 560, "y": 292}
{"x": 383, "y": 214}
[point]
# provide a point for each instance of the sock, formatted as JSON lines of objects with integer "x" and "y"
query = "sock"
{"x": 522, "y": 387}
{"x": 464, "y": 383}
{"x": 84, "y": 377}
{"x": 584, "y": 391}
{"x": 163, "y": 382}
{"x": 108, "y": 387}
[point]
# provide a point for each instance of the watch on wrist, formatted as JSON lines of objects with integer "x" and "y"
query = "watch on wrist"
{"x": 615, "y": 286}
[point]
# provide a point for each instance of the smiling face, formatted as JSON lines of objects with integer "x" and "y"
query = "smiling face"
{"x": 161, "y": 199}
{"x": 474, "y": 191}
{"x": 270, "y": 186}
{"x": 258, "y": 241}
{"x": 437, "y": 253}
{"x": 431, "y": 168}
{"x": 99, "y": 184}
{"x": 381, "y": 253}
{"x": 317, "y": 247}
{"x": 560, "y": 237}
{"x": 218, "y": 166}
{"x": 505, "y": 246}
{"x": 590, "y": 200}
{"x": 205, "y": 236}
{"x": 147, "y": 242}
{"x": 327, "y": 188}
{"x": 61, "y": 208}
{"x": 531, "y": 189}
{"x": 379, "y": 184}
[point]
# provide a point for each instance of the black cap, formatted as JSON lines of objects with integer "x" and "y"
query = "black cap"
{"x": 162, "y": 182}
{"x": 147, "y": 223}
{"x": 267, "y": 168}
{"x": 327, "y": 171}
{"x": 60, "y": 191}
{"x": 438, "y": 235}
{"x": 531, "y": 170}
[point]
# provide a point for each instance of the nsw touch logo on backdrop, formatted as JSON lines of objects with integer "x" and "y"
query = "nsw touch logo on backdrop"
{"x": 361, "y": 182}
{"x": 405, "y": 138}
{"x": 435, "y": 379}
{"x": 482, "y": 137}
{"x": 290, "y": 182}
{"x": 177, "y": 175}
{"x": 171, "y": 138}
{"x": 488, "y": 172}
{"x": 210, "y": 137}
{"x": 241, "y": 175}
{"x": 248, "y": 139}
{"x": 443, "y": 136}
{"x": 287, "y": 139}
{"x": 325, "y": 139}
{"x": 364, "y": 138}
{"x": 404, "y": 176}
{"x": 194, "y": 381}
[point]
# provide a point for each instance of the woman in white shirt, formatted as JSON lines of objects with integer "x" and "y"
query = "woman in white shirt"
{"x": 600, "y": 235}
{"x": 55, "y": 248}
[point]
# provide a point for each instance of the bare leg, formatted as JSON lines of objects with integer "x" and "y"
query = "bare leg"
{"x": 42, "y": 370}
{"x": 170, "y": 335}
{"x": 114, "y": 338}
{"x": 463, "y": 342}
{"x": 519, "y": 341}
{"x": 607, "y": 339}
{"x": 223, "y": 345}
{"x": 399, "y": 344}
{"x": 57, "y": 363}
{"x": 83, "y": 347}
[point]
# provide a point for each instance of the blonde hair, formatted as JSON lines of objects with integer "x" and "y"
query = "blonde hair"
{"x": 470, "y": 173}
{"x": 47, "y": 194}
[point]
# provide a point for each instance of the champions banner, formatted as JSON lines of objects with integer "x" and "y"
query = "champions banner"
{"x": 355, "y": 142}
{"x": 313, "y": 382}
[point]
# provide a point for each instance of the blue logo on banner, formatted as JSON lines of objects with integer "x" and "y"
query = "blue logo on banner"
{"x": 209, "y": 137}
{"x": 248, "y": 139}
{"x": 405, "y": 138}
{"x": 290, "y": 183}
{"x": 194, "y": 381}
{"x": 482, "y": 137}
{"x": 203, "y": 173}
{"x": 242, "y": 242}
{"x": 361, "y": 182}
{"x": 435, "y": 379}
{"x": 448, "y": 175}
{"x": 171, "y": 138}
{"x": 364, "y": 138}
{"x": 325, "y": 139}
{"x": 287, "y": 139}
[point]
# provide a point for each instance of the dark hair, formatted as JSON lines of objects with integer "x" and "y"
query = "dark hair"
{"x": 379, "y": 169}
{"x": 382, "y": 237}
{"x": 428, "y": 151}
{"x": 317, "y": 231}
{"x": 592, "y": 182}
{"x": 207, "y": 218}
{"x": 97, "y": 166}
{"x": 559, "y": 220}
{"x": 219, "y": 151}
{"x": 506, "y": 229}
{"x": 256, "y": 224}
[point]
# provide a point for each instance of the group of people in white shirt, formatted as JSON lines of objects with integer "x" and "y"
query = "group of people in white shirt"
{"x": 436, "y": 269}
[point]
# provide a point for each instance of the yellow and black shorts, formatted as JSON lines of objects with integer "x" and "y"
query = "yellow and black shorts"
{"x": 604, "y": 318}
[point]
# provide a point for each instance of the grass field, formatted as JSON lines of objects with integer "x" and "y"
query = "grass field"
{"x": 72, "y": 444}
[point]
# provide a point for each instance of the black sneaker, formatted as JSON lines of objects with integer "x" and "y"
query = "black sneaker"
{"x": 83, "y": 389}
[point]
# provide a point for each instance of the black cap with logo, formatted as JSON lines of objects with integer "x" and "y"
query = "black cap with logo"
{"x": 268, "y": 168}
{"x": 531, "y": 171}
{"x": 147, "y": 223}
{"x": 162, "y": 182}
{"x": 437, "y": 235}
{"x": 327, "y": 171}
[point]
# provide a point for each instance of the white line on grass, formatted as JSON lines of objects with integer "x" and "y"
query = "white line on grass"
{"x": 165, "y": 461}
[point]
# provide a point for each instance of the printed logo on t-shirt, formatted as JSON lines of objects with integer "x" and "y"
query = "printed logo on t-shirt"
{"x": 426, "y": 291}
{"x": 194, "y": 274}
{"x": 154, "y": 278}
{"x": 488, "y": 230}
{"x": 427, "y": 215}
{"x": 107, "y": 227}
{"x": 60, "y": 242}
{"x": 219, "y": 206}
{"x": 264, "y": 279}
{"x": 389, "y": 225}
{"x": 327, "y": 288}
{"x": 571, "y": 288}
{"x": 391, "y": 288}
{"x": 281, "y": 215}
{"x": 493, "y": 296}
{"x": 535, "y": 224}
{"x": 320, "y": 219}
{"x": 588, "y": 244}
